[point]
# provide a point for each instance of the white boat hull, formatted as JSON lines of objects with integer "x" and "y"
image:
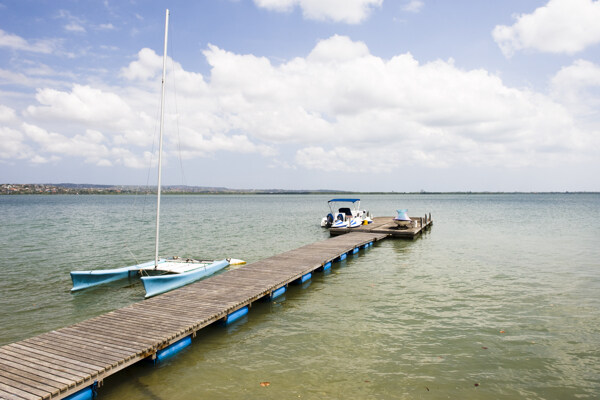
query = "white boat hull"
{"x": 340, "y": 224}
{"x": 355, "y": 223}
{"x": 403, "y": 223}
{"x": 163, "y": 283}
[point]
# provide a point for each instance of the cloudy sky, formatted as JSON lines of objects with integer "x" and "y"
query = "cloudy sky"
{"x": 365, "y": 95}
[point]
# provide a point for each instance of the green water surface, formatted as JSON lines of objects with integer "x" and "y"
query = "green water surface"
{"x": 500, "y": 299}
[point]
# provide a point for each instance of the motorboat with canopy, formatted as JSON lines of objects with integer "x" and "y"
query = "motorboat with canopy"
{"x": 345, "y": 213}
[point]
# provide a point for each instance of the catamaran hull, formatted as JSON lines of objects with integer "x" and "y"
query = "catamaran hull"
{"x": 163, "y": 283}
{"x": 85, "y": 279}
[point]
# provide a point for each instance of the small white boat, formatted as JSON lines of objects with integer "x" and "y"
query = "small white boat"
{"x": 403, "y": 220}
{"x": 345, "y": 213}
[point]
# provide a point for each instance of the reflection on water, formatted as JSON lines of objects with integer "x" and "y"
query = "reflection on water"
{"x": 499, "y": 300}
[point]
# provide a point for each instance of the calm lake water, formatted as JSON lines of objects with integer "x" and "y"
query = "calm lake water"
{"x": 499, "y": 300}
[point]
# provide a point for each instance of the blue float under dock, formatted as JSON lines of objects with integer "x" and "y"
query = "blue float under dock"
{"x": 279, "y": 292}
{"x": 173, "y": 349}
{"x": 69, "y": 361}
{"x": 237, "y": 314}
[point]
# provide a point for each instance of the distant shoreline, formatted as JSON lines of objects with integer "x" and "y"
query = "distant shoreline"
{"x": 89, "y": 189}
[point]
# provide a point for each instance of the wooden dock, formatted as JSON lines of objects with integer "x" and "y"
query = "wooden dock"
{"x": 62, "y": 362}
{"x": 387, "y": 226}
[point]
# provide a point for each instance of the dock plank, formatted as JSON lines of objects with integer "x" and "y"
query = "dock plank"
{"x": 104, "y": 342}
{"x": 76, "y": 330}
{"x": 34, "y": 374}
{"x": 35, "y": 352}
{"x": 34, "y": 387}
{"x": 16, "y": 393}
{"x": 63, "y": 351}
{"x": 84, "y": 351}
{"x": 44, "y": 366}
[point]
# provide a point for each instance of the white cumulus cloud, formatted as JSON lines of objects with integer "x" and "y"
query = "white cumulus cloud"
{"x": 7, "y": 114}
{"x": 341, "y": 99}
{"x": 347, "y": 11}
{"x": 339, "y": 107}
{"x": 145, "y": 67}
{"x": 414, "y": 6}
{"x": 89, "y": 145}
{"x": 16, "y": 42}
{"x": 13, "y": 144}
{"x": 577, "y": 86}
{"x": 561, "y": 26}
{"x": 83, "y": 103}
{"x": 74, "y": 27}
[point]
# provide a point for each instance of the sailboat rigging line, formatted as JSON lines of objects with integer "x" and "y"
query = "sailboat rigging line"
{"x": 146, "y": 191}
{"x": 185, "y": 232}
{"x": 134, "y": 206}
{"x": 126, "y": 245}
{"x": 174, "y": 83}
{"x": 160, "y": 146}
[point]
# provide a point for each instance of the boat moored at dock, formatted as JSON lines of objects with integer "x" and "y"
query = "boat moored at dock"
{"x": 174, "y": 272}
{"x": 167, "y": 274}
{"x": 345, "y": 213}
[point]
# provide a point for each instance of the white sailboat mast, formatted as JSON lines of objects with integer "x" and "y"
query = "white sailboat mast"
{"x": 162, "y": 121}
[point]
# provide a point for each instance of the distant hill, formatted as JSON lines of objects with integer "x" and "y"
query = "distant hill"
{"x": 84, "y": 188}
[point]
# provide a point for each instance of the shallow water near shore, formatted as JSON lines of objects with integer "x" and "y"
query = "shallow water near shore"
{"x": 500, "y": 299}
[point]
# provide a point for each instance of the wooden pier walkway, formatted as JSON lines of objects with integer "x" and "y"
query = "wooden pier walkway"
{"x": 62, "y": 362}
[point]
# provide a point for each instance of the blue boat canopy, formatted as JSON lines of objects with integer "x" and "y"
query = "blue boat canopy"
{"x": 350, "y": 200}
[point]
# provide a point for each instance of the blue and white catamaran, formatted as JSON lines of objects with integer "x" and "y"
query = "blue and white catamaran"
{"x": 160, "y": 275}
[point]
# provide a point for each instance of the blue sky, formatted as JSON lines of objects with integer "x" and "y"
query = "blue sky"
{"x": 365, "y": 95}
